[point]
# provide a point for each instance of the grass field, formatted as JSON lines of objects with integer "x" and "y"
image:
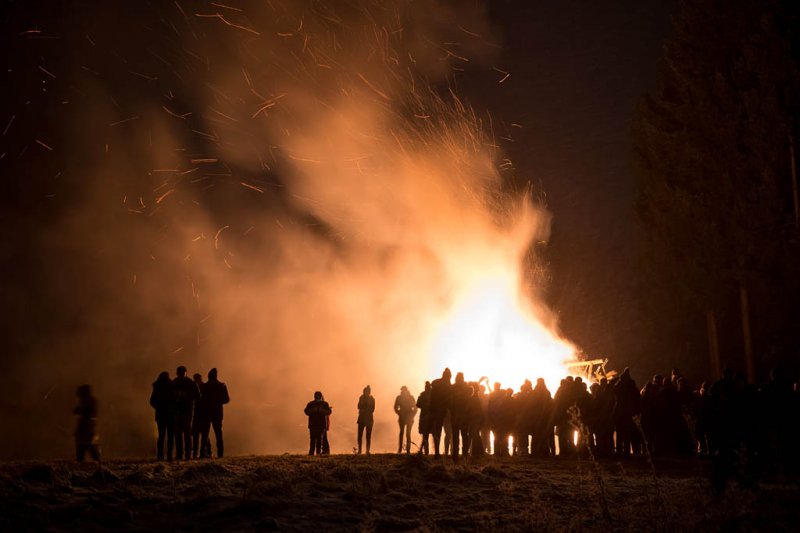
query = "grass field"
{"x": 385, "y": 492}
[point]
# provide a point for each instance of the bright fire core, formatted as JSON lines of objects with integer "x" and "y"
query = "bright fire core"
{"x": 492, "y": 333}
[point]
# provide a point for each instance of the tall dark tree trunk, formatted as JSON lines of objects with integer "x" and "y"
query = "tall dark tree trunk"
{"x": 746, "y": 334}
{"x": 713, "y": 344}
{"x": 794, "y": 183}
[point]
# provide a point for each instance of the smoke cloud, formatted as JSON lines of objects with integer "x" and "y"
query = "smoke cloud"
{"x": 291, "y": 192}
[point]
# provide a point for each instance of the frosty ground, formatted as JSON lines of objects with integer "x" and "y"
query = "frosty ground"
{"x": 385, "y": 492}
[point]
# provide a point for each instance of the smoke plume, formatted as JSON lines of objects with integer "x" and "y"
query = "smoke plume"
{"x": 292, "y": 192}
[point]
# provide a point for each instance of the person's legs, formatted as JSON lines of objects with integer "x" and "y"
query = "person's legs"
{"x": 178, "y": 438}
{"x": 400, "y": 436}
{"x": 80, "y": 450}
{"x": 195, "y": 441}
{"x": 361, "y": 428}
{"x": 205, "y": 441}
{"x": 162, "y": 433}
{"x": 216, "y": 423}
{"x": 94, "y": 451}
{"x": 369, "y": 437}
{"x": 187, "y": 438}
{"x": 326, "y": 446}
{"x": 456, "y": 440}
{"x": 408, "y": 425}
{"x": 170, "y": 437}
{"x": 318, "y": 442}
{"x": 437, "y": 434}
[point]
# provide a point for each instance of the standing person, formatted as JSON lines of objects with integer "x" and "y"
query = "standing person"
{"x": 162, "y": 399}
{"x": 604, "y": 413}
{"x": 486, "y": 432}
{"x": 523, "y": 425}
{"x": 459, "y": 415}
{"x": 563, "y": 399}
{"x": 425, "y": 426}
{"x": 200, "y": 422}
{"x": 326, "y": 445}
{"x": 475, "y": 420}
{"x": 439, "y": 405}
{"x": 542, "y": 415}
{"x": 317, "y": 411}
{"x": 405, "y": 407}
{"x": 495, "y": 415}
{"x": 186, "y": 394}
{"x": 366, "y": 408}
{"x": 86, "y": 430}
{"x": 214, "y": 397}
{"x": 626, "y": 407}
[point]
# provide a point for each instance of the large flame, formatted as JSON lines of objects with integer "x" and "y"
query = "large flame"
{"x": 492, "y": 332}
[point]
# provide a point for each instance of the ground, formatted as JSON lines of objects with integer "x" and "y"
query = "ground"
{"x": 385, "y": 492}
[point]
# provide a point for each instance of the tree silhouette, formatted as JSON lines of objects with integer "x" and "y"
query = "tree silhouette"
{"x": 714, "y": 184}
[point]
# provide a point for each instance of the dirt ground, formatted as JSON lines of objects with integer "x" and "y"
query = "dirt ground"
{"x": 385, "y": 492}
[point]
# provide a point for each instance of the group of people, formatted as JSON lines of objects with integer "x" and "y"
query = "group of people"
{"x": 186, "y": 410}
{"x": 611, "y": 417}
{"x": 319, "y": 412}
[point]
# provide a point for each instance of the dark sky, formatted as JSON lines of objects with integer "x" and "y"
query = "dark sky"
{"x": 577, "y": 71}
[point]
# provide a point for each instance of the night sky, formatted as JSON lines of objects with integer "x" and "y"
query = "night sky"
{"x": 578, "y": 72}
{"x": 563, "y": 116}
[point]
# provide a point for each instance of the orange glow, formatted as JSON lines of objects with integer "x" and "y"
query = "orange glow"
{"x": 491, "y": 332}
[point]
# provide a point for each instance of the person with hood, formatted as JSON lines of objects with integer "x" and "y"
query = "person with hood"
{"x": 86, "y": 431}
{"x": 405, "y": 407}
{"x": 215, "y": 395}
{"x": 366, "y": 410}
{"x": 317, "y": 411}
{"x": 162, "y": 399}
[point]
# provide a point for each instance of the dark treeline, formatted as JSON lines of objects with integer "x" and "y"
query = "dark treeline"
{"x": 715, "y": 159}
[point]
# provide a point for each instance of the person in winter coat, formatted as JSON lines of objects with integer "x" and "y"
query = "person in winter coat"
{"x": 317, "y": 411}
{"x": 162, "y": 399}
{"x": 215, "y": 395}
{"x": 405, "y": 406}
{"x": 425, "y": 423}
{"x": 366, "y": 408}
{"x": 200, "y": 422}
{"x": 439, "y": 407}
{"x": 186, "y": 394}
{"x": 86, "y": 431}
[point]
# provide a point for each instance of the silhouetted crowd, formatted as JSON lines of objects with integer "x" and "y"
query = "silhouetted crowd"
{"x": 612, "y": 417}
{"x": 186, "y": 410}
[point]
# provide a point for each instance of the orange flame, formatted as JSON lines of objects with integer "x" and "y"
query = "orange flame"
{"x": 492, "y": 332}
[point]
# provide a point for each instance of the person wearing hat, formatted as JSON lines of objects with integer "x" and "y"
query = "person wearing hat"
{"x": 405, "y": 406}
{"x": 366, "y": 408}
